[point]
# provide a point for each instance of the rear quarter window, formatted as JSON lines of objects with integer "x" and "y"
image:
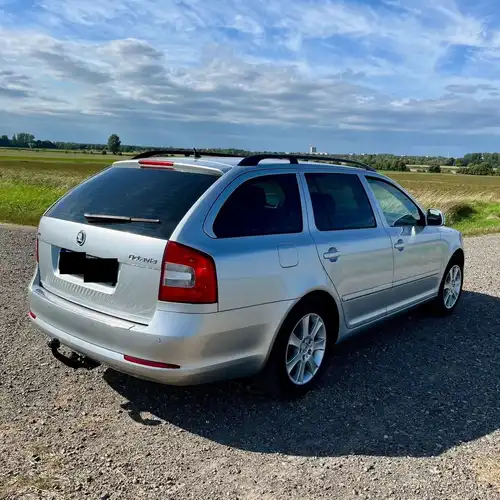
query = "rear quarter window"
{"x": 268, "y": 204}
{"x": 166, "y": 195}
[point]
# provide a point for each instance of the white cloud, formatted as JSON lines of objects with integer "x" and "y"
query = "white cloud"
{"x": 323, "y": 64}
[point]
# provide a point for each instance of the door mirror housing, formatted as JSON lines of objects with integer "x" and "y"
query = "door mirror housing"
{"x": 435, "y": 217}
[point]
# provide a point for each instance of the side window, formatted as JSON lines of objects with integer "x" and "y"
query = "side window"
{"x": 398, "y": 209}
{"x": 267, "y": 204}
{"x": 339, "y": 202}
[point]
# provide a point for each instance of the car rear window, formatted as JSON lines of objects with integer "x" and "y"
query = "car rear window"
{"x": 166, "y": 195}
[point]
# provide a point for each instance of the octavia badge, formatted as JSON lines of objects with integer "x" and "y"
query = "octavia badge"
{"x": 81, "y": 237}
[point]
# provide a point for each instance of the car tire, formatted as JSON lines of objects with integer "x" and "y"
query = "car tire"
{"x": 298, "y": 362}
{"x": 450, "y": 289}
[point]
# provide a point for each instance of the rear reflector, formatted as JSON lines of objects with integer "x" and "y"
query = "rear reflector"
{"x": 153, "y": 364}
{"x": 32, "y": 315}
{"x": 188, "y": 276}
{"x": 155, "y": 164}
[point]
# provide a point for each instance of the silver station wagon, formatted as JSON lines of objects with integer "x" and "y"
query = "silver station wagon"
{"x": 186, "y": 268}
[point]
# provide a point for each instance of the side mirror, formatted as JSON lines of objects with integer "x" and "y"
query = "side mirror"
{"x": 435, "y": 217}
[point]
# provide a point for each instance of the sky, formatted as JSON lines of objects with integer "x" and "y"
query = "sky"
{"x": 361, "y": 76}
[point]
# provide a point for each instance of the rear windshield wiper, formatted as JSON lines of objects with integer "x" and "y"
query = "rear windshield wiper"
{"x": 118, "y": 218}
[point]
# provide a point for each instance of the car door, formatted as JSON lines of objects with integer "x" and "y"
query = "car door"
{"x": 260, "y": 242}
{"x": 353, "y": 246}
{"x": 418, "y": 249}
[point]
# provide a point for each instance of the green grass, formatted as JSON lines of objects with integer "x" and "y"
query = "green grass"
{"x": 28, "y": 187}
{"x": 477, "y": 196}
{"x": 484, "y": 219}
{"x": 23, "y": 204}
{"x": 56, "y": 155}
{"x": 31, "y": 181}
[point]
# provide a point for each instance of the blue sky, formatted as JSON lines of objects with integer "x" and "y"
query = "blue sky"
{"x": 412, "y": 77}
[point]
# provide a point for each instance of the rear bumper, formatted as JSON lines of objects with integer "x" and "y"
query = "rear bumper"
{"x": 207, "y": 347}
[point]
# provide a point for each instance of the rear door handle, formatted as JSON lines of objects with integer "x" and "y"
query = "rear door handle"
{"x": 332, "y": 255}
{"x": 399, "y": 245}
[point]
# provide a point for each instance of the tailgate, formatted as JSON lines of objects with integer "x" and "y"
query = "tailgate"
{"x": 114, "y": 266}
{"x": 134, "y": 263}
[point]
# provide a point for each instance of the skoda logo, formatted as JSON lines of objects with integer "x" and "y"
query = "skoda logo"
{"x": 81, "y": 237}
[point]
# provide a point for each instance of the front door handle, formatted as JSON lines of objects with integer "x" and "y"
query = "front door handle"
{"x": 332, "y": 255}
{"x": 399, "y": 245}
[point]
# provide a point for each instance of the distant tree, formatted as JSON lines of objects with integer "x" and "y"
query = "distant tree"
{"x": 114, "y": 143}
{"x": 389, "y": 163}
{"x": 483, "y": 168}
{"x": 400, "y": 166}
{"x": 459, "y": 163}
{"x": 45, "y": 145}
{"x": 25, "y": 140}
{"x": 492, "y": 158}
{"x": 434, "y": 169}
{"x": 473, "y": 158}
{"x": 4, "y": 141}
{"x": 103, "y": 152}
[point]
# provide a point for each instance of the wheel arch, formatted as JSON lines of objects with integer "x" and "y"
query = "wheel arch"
{"x": 314, "y": 297}
{"x": 325, "y": 299}
{"x": 458, "y": 256}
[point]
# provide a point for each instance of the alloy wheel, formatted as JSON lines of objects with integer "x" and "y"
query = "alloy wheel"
{"x": 452, "y": 286}
{"x": 306, "y": 349}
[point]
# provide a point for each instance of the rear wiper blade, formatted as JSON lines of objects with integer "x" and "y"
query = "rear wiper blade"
{"x": 118, "y": 218}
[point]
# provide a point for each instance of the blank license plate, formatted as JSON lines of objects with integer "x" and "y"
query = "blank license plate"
{"x": 91, "y": 269}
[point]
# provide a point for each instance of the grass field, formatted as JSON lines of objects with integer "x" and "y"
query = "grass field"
{"x": 54, "y": 154}
{"x": 31, "y": 181}
{"x": 471, "y": 202}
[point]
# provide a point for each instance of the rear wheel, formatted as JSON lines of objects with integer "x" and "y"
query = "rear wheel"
{"x": 300, "y": 354}
{"x": 450, "y": 290}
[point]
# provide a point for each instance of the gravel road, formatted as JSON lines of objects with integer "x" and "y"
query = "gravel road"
{"x": 409, "y": 410}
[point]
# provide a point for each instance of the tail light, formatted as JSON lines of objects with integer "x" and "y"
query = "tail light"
{"x": 187, "y": 276}
{"x": 155, "y": 164}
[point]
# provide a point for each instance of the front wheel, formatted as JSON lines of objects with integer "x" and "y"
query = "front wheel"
{"x": 450, "y": 290}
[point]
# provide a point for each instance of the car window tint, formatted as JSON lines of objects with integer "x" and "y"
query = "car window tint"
{"x": 166, "y": 195}
{"x": 264, "y": 205}
{"x": 398, "y": 209}
{"x": 339, "y": 202}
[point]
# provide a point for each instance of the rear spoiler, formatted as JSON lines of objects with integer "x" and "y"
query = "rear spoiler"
{"x": 179, "y": 164}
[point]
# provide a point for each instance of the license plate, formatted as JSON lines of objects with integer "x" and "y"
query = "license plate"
{"x": 91, "y": 269}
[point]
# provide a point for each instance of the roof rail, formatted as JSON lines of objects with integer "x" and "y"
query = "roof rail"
{"x": 185, "y": 152}
{"x": 253, "y": 160}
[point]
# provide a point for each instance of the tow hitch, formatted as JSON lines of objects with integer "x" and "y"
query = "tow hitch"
{"x": 74, "y": 360}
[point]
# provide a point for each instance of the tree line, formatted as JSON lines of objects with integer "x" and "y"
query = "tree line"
{"x": 471, "y": 163}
